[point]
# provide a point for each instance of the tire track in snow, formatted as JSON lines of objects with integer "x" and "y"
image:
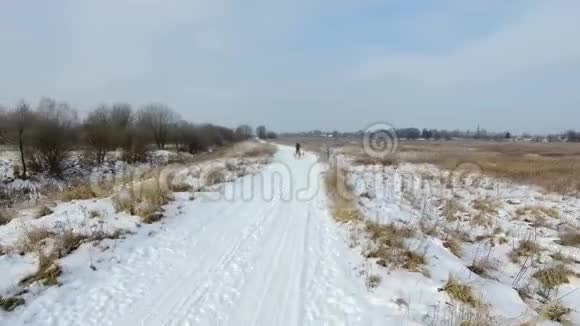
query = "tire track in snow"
{"x": 117, "y": 298}
{"x": 205, "y": 267}
{"x": 193, "y": 304}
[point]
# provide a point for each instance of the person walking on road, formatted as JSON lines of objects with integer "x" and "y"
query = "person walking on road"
{"x": 298, "y": 153}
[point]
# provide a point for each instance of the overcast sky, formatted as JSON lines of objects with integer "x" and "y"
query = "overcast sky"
{"x": 304, "y": 64}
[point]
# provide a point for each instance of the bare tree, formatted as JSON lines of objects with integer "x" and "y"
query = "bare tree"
{"x": 99, "y": 132}
{"x": 261, "y": 132}
{"x": 22, "y": 119}
{"x": 158, "y": 119}
{"x": 51, "y": 135}
{"x": 271, "y": 135}
{"x": 121, "y": 115}
{"x": 243, "y": 132}
{"x": 15, "y": 125}
{"x": 135, "y": 145}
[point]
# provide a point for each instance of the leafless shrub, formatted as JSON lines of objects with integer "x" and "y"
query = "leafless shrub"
{"x": 51, "y": 136}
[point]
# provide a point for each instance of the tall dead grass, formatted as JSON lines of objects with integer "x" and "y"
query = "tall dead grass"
{"x": 144, "y": 200}
{"x": 75, "y": 192}
{"x": 555, "y": 167}
{"x": 344, "y": 208}
{"x": 252, "y": 150}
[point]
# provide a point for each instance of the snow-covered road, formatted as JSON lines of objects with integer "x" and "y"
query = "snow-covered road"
{"x": 266, "y": 257}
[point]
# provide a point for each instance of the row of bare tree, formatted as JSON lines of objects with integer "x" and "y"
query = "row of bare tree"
{"x": 47, "y": 134}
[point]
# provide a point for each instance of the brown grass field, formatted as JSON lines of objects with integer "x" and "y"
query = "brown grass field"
{"x": 552, "y": 166}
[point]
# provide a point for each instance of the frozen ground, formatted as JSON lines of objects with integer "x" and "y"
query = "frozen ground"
{"x": 489, "y": 219}
{"x": 257, "y": 250}
{"x": 258, "y": 256}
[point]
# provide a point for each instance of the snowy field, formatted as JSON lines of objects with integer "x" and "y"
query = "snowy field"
{"x": 247, "y": 242}
{"x": 514, "y": 246}
{"x": 63, "y": 244}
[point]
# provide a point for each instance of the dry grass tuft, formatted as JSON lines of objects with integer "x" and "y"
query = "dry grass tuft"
{"x": 146, "y": 202}
{"x": 94, "y": 214}
{"x": 389, "y": 247}
{"x": 372, "y": 281}
{"x": 368, "y": 160}
{"x": 70, "y": 241}
{"x": 482, "y": 220}
{"x": 460, "y": 292}
{"x": 11, "y": 303}
{"x": 537, "y": 212}
{"x": 570, "y": 238}
{"x": 461, "y": 314}
{"x": 480, "y": 267}
{"x": 6, "y": 215}
{"x": 526, "y": 248}
{"x": 32, "y": 238}
{"x": 43, "y": 211}
{"x": 180, "y": 187}
{"x": 454, "y": 246}
{"x": 560, "y": 257}
{"x": 452, "y": 210}
{"x": 554, "y": 312}
{"x": 81, "y": 191}
{"x": 214, "y": 176}
{"x": 551, "y": 277}
{"x": 485, "y": 206}
{"x": 124, "y": 202}
{"x": 388, "y": 234}
{"x": 413, "y": 260}
{"x": 47, "y": 273}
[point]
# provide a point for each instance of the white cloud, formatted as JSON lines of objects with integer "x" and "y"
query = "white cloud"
{"x": 288, "y": 65}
